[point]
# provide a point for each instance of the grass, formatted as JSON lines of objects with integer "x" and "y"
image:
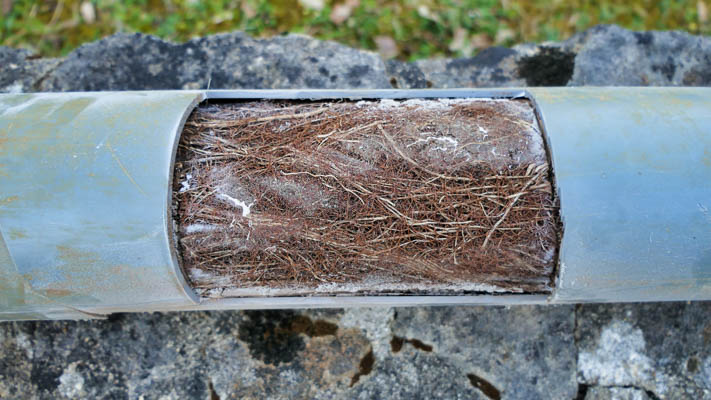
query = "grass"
{"x": 407, "y": 30}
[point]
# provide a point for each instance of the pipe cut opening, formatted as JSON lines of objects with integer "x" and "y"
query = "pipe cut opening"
{"x": 421, "y": 196}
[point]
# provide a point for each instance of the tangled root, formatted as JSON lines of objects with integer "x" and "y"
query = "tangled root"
{"x": 388, "y": 196}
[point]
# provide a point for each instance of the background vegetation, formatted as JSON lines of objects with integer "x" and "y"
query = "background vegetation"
{"x": 406, "y": 29}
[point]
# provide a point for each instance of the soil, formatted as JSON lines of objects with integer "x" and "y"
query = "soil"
{"x": 439, "y": 196}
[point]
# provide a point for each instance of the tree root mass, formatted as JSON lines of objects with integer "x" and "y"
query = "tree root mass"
{"x": 439, "y": 196}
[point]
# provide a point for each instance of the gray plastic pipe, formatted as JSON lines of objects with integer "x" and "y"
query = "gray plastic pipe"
{"x": 85, "y": 188}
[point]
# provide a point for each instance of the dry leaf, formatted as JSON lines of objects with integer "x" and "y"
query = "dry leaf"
{"x": 460, "y": 42}
{"x": 703, "y": 11}
{"x": 316, "y": 5}
{"x": 87, "y": 11}
{"x": 481, "y": 41}
{"x": 248, "y": 10}
{"x": 341, "y": 12}
{"x": 502, "y": 35}
{"x": 466, "y": 45}
{"x": 6, "y": 6}
{"x": 386, "y": 46}
{"x": 425, "y": 12}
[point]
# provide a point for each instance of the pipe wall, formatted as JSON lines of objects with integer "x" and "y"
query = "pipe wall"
{"x": 85, "y": 186}
{"x": 633, "y": 168}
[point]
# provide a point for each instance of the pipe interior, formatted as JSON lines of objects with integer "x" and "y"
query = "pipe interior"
{"x": 381, "y": 197}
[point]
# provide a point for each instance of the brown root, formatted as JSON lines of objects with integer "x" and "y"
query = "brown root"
{"x": 413, "y": 194}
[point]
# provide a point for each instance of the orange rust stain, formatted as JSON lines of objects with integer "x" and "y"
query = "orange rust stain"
{"x": 117, "y": 269}
{"x": 84, "y": 273}
{"x": 79, "y": 271}
{"x": 604, "y": 97}
{"x": 679, "y": 101}
{"x": 637, "y": 117}
{"x": 123, "y": 168}
{"x": 706, "y": 159}
{"x": 16, "y": 233}
{"x": 73, "y": 255}
{"x": 3, "y": 136}
{"x": 8, "y": 200}
{"x": 57, "y": 292}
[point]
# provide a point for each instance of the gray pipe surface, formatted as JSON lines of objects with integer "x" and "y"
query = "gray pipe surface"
{"x": 85, "y": 183}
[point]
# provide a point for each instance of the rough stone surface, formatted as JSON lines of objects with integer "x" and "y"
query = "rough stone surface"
{"x": 616, "y": 393}
{"x": 603, "y": 55}
{"x": 449, "y": 352}
{"x": 614, "y": 56}
{"x": 406, "y": 75}
{"x": 22, "y": 71}
{"x": 235, "y": 60}
{"x": 524, "y": 352}
{"x": 492, "y": 67}
{"x": 663, "y": 349}
{"x": 611, "y": 351}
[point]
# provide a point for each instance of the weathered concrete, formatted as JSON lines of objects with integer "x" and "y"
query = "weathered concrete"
{"x": 604, "y": 55}
{"x": 662, "y": 349}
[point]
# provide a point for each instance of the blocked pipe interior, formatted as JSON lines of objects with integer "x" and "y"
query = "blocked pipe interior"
{"x": 436, "y": 196}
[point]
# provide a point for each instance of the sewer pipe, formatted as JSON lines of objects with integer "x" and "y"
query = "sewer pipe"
{"x": 85, "y": 199}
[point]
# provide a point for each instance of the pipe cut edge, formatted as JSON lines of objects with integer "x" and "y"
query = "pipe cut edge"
{"x": 85, "y": 195}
